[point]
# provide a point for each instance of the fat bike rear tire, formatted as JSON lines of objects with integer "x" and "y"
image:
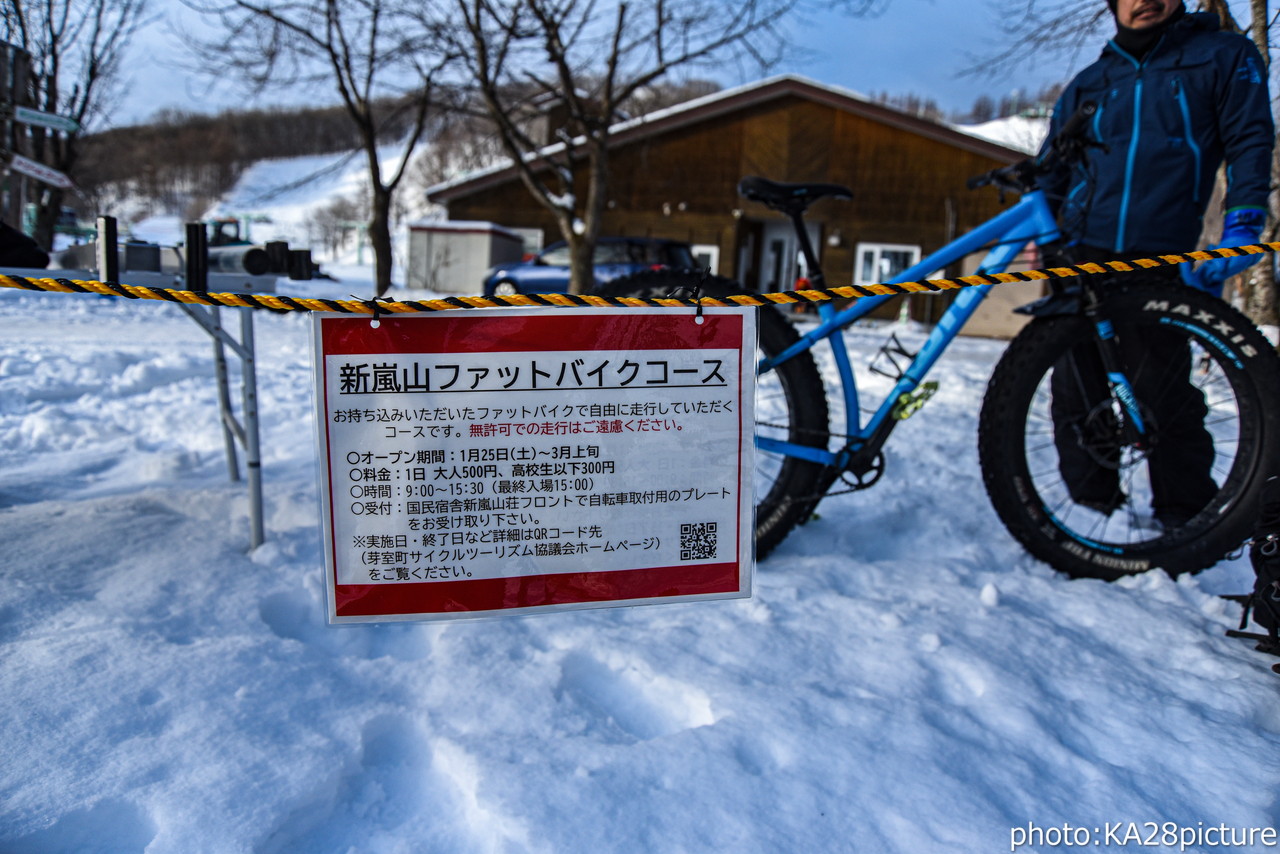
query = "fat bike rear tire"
{"x": 790, "y": 403}
{"x": 1232, "y": 363}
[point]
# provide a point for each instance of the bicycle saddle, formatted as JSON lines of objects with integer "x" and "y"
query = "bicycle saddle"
{"x": 788, "y": 197}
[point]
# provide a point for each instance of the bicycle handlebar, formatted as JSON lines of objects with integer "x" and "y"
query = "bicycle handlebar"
{"x": 1073, "y": 129}
{"x": 1068, "y": 145}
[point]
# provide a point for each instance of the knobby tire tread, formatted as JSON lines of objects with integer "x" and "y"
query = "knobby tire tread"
{"x": 1246, "y": 359}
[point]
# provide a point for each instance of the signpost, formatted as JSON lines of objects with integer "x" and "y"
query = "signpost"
{"x": 514, "y": 461}
{"x": 39, "y": 171}
{"x": 14, "y": 80}
{"x": 31, "y": 116}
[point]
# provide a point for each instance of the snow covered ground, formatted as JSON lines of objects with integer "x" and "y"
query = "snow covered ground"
{"x": 905, "y": 679}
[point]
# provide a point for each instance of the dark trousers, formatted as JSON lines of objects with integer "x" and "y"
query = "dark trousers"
{"x": 1179, "y": 461}
{"x": 1158, "y": 365}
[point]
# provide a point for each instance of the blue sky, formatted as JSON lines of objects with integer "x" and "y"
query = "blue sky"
{"x": 921, "y": 47}
{"x": 912, "y": 46}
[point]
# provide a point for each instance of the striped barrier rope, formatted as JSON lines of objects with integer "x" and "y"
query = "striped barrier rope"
{"x": 272, "y": 302}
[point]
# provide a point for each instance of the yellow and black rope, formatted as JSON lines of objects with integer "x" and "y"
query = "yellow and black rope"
{"x": 272, "y": 302}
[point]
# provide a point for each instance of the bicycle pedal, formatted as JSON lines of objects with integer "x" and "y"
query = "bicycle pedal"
{"x": 912, "y": 401}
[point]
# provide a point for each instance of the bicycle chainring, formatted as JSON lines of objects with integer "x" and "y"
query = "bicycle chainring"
{"x": 863, "y": 478}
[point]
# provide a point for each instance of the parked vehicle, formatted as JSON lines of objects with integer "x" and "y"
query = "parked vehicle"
{"x": 548, "y": 271}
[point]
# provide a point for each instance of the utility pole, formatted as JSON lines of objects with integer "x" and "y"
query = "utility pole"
{"x": 15, "y": 65}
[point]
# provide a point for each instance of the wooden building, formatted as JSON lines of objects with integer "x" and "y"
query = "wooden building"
{"x": 674, "y": 174}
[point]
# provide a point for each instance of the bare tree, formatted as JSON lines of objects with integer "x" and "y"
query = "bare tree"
{"x": 911, "y": 103}
{"x": 1035, "y": 28}
{"x": 76, "y": 49}
{"x": 372, "y": 52}
{"x": 1261, "y": 295}
{"x": 587, "y": 58}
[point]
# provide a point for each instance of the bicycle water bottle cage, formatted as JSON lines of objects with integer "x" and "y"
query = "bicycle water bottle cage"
{"x": 891, "y": 352}
{"x": 788, "y": 198}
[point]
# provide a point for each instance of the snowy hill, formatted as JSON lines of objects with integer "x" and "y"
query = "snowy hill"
{"x": 905, "y": 678}
{"x": 288, "y": 199}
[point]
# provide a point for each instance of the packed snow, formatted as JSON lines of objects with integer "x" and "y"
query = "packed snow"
{"x": 904, "y": 679}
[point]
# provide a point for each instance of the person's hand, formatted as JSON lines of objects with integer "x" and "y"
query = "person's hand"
{"x": 1241, "y": 226}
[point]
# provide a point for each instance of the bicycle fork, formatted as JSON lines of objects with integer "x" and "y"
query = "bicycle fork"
{"x": 1134, "y": 427}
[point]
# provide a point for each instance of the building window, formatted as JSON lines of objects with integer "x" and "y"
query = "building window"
{"x": 706, "y": 256}
{"x": 880, "y": 262}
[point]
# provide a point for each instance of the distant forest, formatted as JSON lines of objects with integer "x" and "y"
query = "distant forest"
{"x": 984, "y": 109}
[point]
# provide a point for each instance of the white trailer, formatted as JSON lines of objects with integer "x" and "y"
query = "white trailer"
{"x": 452, "y": 256}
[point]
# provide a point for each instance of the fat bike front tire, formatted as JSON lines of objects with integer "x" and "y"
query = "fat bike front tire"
{"x": 1234, "y": 366}
{"x": 790, "y": 404}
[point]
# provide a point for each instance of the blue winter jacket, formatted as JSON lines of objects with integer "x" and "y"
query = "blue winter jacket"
{"x": 1198, "y": 97}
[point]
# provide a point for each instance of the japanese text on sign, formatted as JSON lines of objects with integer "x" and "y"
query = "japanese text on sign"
{"x": 526, "y": 460}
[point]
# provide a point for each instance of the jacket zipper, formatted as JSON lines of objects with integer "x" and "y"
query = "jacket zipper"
{"x": 1191, "y": 140}
{"x": 1134, "y": 140}
{"x": 1130, "y": 161}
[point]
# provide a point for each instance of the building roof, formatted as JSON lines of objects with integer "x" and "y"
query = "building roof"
{"x": 732, "y": 100}
{"x": 462, "y": 226}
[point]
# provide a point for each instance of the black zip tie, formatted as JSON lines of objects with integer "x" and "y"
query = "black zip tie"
{"x": 373, "y": 307}
{"x": 695, "y": 293}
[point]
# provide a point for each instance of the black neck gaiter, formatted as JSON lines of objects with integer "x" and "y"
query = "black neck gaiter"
{"x": 1137, "y": 43}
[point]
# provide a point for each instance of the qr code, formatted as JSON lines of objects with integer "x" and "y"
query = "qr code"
{"x": 698, "y": 541}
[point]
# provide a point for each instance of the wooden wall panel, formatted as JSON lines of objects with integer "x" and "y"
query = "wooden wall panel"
{"x": 908, "y": 188}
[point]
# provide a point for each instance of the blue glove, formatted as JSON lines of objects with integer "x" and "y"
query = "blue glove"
{"x": 1241, "y": 226}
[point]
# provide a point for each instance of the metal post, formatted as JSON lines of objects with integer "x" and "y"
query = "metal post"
{"x": 13, "y": 92}
{"x": 226, "y": 416}
{"x": 245, "y": 431}
{"x": 7, "y": 143}
{"x": 252, "y": 449}
{"x": 20, "y": 84}
{"x": 197, "y": 258}
{"x": 108, "y": 249}
{"x": 300, "y": 264}
{"x": 277, "y": 256}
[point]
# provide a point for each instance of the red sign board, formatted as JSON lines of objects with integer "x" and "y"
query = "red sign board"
{"x": 512, "y": 461}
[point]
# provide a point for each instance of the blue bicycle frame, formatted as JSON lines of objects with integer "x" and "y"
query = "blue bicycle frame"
{"x": 1008, "y": 233}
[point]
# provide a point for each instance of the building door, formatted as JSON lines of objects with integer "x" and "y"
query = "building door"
{"x": 780, "y": 262}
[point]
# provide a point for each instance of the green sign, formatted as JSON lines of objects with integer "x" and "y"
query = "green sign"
{"x": 29, "y": 116}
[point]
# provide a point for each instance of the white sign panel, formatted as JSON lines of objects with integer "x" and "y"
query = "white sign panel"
{"x": 510, "y": 461}
{"x": 39, "y": 171}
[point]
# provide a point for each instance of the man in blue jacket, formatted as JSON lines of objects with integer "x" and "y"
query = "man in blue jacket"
{"x": 1176, "y": 98}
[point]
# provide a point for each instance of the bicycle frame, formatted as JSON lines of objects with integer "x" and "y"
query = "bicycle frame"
{"x": 1007, "y": 233}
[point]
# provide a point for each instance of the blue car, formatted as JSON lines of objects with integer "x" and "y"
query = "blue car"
{"x": 548, "y": 271}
